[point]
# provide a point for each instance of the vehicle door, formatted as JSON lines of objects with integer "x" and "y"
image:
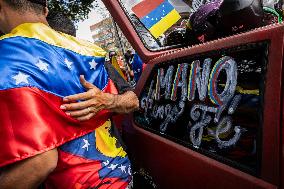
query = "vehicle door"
{"x": 209, "y": 113}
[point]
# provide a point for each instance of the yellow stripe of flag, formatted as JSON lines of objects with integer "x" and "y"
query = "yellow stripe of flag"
{"x": 46, "y": 34}
{"x": 165, "y": 23}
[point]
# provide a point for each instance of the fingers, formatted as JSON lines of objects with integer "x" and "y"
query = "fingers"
{"x": 83, "y": 106}
{"x": 85, "y": 83}
{"x": 92, "y": 91}
{"x": 86, "y": 117}
{"x": 79, "y": 113}
{"x": 84, "y": 114}
{"x": 77, "y": 97}
{"x": 76, "y": 105}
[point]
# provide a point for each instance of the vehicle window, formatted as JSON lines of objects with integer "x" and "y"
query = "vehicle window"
{"x": 211, "y": 103}
{"x": 164, "y": 24}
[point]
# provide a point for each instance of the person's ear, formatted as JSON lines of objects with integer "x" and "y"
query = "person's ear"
{"x": 46, "y": 11}
{"x": 1, "y": 6}
{"x": 1, "y": 13}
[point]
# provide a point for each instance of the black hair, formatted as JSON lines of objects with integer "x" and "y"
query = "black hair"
{"x": 60, "y": 22}
{"x": 25, "y": 5}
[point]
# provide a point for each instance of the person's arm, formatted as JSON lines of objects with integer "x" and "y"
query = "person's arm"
{"x": 120, "y": 83}
{"x": 95, "y": 100}
{"x": 28, "y": 173}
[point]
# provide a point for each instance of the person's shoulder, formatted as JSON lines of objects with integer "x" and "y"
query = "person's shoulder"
{"x": 43, "y": 33}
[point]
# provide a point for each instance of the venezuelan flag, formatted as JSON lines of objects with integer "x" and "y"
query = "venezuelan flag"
{"x": 38, "y": 67}
{"x": 157, "y": 16}
{"x": 94, "y": 160}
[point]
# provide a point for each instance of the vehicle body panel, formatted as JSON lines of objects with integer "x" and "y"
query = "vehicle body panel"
{"x": 188, "y": 168}
{"x": 174, "y": 166}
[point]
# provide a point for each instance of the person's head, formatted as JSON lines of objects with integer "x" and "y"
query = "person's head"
{"x": 128, "y": 55}
{"x": 60, "y": 22}
{"x": 129, "y": 52}
{"x": 16, "y": 12}
{"x": 112, "y": 54}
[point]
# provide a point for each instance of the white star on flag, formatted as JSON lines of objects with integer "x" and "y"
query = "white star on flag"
{"x": 86, "y": 145}
{"x": 68, "y": 63}
{"x": 21, "y": 78}
{"x": 113, "y": 166}
{"x": 122, "y": 168}
{"x": 93, "y": 64}
{"x": 42, "y": 66}
{"x": 106, "y": 162}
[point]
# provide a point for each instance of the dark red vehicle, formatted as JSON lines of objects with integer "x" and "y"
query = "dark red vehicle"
{"x": 211, "y": 115}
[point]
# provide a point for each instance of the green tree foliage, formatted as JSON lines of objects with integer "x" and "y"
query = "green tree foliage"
{"x": 76, "y": 10}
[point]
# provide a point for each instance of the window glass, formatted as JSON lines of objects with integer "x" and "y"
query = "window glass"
{"x": 163, "y": 24}
{"x": 211, "y": 103}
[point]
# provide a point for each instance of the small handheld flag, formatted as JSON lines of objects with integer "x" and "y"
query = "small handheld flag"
{"x": 157, "y": 16}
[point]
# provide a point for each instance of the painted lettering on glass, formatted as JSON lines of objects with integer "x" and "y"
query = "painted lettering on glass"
{"x": 199, "y": 85}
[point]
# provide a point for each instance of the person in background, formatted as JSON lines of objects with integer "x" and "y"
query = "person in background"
{"x": 128, "y": 56}
{"x": 60, "y": 22}
{"x": 113, "y": 60}
{"x": 137, "y": 66}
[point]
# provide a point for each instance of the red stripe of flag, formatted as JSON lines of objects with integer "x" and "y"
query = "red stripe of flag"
{"x": 32, "y": 122}
{"x": 145, "y": 7}
{"x": 85, "y": 170}
{"x": 81, "y": 168}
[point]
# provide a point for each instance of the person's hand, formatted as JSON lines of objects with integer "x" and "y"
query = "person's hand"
{"x": 84, "y": 106}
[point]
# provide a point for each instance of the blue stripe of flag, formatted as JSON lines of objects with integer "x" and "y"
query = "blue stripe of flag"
{"x": 17, "y": 56}
{"x": 157, "y": 14}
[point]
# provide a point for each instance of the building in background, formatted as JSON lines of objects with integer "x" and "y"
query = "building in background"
{"x": 109, "y": 37}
